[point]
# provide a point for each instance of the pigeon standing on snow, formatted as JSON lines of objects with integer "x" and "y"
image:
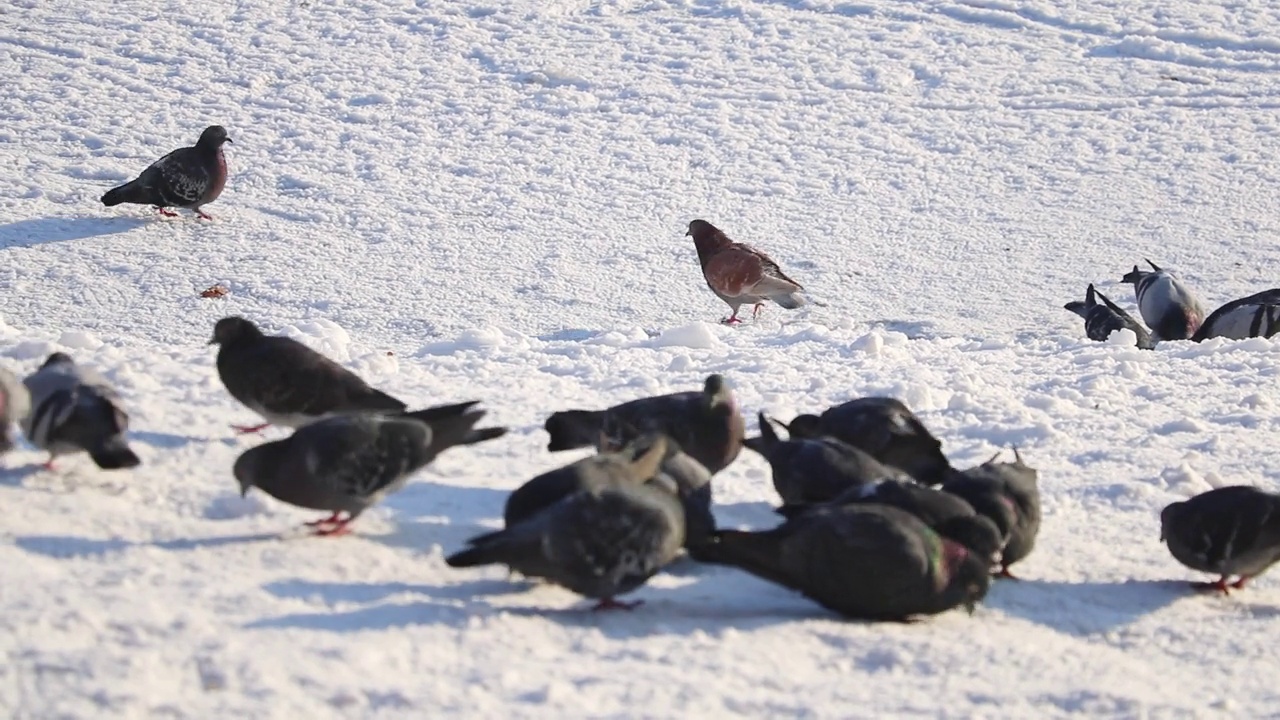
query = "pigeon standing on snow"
{"x": 1004, "y": 492}
{"x": 15, "y": 403}
{"x": 1167, "y": 305}
{"x": 189, "y": 177}
{"x": 1255, "y": 316}
{"x": 347, "y": 463}
{"x": 286, "y": 382}
{"x": 603, "y": 539}
{"x": 1102, "y": 319}
{"x": 689, "y": 478}
{"x": 871, "y": 562}
{"x": 740, "y": 274}
{"x": 1228, "y": 531}
{"x": 73, "y": 409}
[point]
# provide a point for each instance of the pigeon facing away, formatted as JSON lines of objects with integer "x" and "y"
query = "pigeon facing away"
{"x": 73, "y": 409}
{"x": 189, "y": 177}
{"x": 871, "y": 562}
{"x": 1004, "y": 493}
{"x": 15, "y": 403}
{"x": 1255, "y": 316}
{"x": 706, "y": 424}
{"x": 286, "y": 382}
{"x": 1228, "y": 531}
{"x": 1102, "y": 319}
{"x": 886, "y": 429}
{"x": 1167, "y": 306}
{"x": 740, "y": 274}
{"x": 347, "y": 463}
{"x": 602, "y": 540}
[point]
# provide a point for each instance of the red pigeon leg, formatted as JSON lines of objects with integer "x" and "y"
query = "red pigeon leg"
{"x": 732, "y": 319}
{"x": 166, "y": 213}
{"x": 1004, "y": 573}
{"x": 611, "y": 604}
{"x": 1219, "y": 585}
{"x": 247, "y": 429}
{"x": 331, "y": 520}
{"x": 756, "y": 311}
{"x": 342, "y": 527}
{"x": 202, "y": 214}
{"x": 48, "y": 465}
{"x": 1239, "y": 584}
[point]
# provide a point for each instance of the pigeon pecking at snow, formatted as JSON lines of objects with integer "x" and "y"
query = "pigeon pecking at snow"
{"x": 1167, "y": 306}
{"x": 1103, "y": 318}
{"x": 73, "y": 409}
{"x": 286, "y": 382}
{"x": 690, "y": 479}
{"x": 15, "y": 403}
{"x": 348, "y": 463}
{"x": 1009, "y": 495}
{"x": 1228, "y": 531}
{"x": 1255, "y": 316}
{"x": 870, "y": 562}
{"x": 740, "y": 274}
{"x": 189, "y": 177}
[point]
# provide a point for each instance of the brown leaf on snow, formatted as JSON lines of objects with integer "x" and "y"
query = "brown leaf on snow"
{"x": 216, "y": 291}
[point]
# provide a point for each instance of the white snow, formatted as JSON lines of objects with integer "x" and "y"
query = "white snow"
{"x": 464, "y": 200}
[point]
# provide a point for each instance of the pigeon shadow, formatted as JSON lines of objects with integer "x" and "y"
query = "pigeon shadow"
{"x": 430, "y": 513}
{"x": 38, "y": 231}
{"x": 67, "y": 546}
{"x": 13, "y": 476}
{"x": 1085, "y": 609}
{"x": 164, "y": 441}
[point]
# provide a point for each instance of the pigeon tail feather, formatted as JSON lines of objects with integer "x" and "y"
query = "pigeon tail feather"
{"x": 790, "y": 301}
{"x": 758, "y": 553}
{"x": 114, "y": 454}
{"x": 571, "y": 429}
{"x": 130, "y": 192}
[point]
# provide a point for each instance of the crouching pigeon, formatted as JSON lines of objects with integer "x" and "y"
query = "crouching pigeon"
{"x": 1009, "y": 495}
{"x": 73, "y": 409}
{"x": 1255, "y": 316}
{"x": 1102, "y": 319}
{"x": 348, "y": 463}
{"x": 1229, "y": 531}
{"x": 15, "y": 403}
{"x": 286, "y": 382}
{"x": 1167, "y": 305}
{"x": 871, "y": 562}
{"x": 189, "y": 177}
{"x": 739, "y": 274}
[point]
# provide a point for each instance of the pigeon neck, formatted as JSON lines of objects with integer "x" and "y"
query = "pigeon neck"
{"x": 708, "y": 244}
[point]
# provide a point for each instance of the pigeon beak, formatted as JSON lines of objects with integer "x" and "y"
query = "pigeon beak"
{"x": 687, "y": 233}
{"x": 244, "y": 490}
{"x": 233, "y": 142}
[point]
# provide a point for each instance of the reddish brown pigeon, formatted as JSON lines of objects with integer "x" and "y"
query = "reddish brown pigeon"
{"x": 740, "y": 274}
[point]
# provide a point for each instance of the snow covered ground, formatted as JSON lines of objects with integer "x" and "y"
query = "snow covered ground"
{"x": 463, "y": 200}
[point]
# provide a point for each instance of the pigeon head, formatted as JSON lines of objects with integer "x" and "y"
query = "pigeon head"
{"x": 706, "y": 236}
{"x": 1168, "y": 516}
{"x": 717, "y": 392}
{"x": 58, "y": 358}
{"x": 213, "y": 137}
{"x": 968, "y": 576}
{"x": 805, "y": 426}
{"x": 247, "y": 468}
{"x": 234, "y": 329}
{"x": 977, "y": 533}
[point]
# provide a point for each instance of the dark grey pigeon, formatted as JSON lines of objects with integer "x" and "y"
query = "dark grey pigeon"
{"x": 1103, "y": 318}
{"x": 1255, "y": 316}
{"x": 1228, "y": 531}
{"x": 871, "y": 562}
{"x": 814, "y": 470}
{"x": 602, "y": 540}
{"x": 286, "y": 382}
{"x": 1009, "y": 495}
{"x": 73, "y": 409}
{"x": 348, "y": 463}
{"x": 1166, "y": 304}
{"x": 688, "y": 477}
{"x": 15, "y": 403}
{"x": 885, "y": 428}
{"x": 706, "y": 424}
{"x": 189, "y": 177}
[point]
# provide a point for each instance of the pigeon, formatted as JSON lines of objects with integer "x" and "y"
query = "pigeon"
{"x": 286, "y": 382}
{"x": 1228, "y": 531}
{"x": 189, "y": 177}
{"x": 1102, "y": 319}
{"x": 15, "y": 403}
{"x": 690, "y": 480}
{"x": 871, "y": 562}
{"x": 348, "y": 463}
{"x": 1009, "y": 495}
{"x": 1255, "y": 316}
{"x": 601, "y": 540}
{"x": 1167, "y": 306}
{"x": 814, "y": 470}
{"x": 740, "y": 274}
{"x": 885, "y": 428}
{"x": 706, "y": 424}
{"x": 73, "y": 409}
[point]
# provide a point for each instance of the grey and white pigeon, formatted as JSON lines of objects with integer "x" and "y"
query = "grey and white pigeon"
{"x": 15, "y": 403}
{"x": 706, "y": 424}
{"x": 1009, "y": 495}
{"x": 740, "y": 274}
{"x": 286, "y": 382}
{"x": 603, "y": 539}
{"x": 189, "y": 177}
{"x": 74, "y": 409}
{"x": 1229, "y": 531}
{"x": 815, "y": 470}
{"x": 1255, "y": 316}
{"x": 1167, "y": 305}
{"x": 348, "y": 463}
{"x": 1103, "y": 318}
{"x": 885, "y": 428}
{"x": 870, "y": 562}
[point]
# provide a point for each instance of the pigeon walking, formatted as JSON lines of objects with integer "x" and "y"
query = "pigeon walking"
{"x": 1004, "y": 492}
{"x": 740, "y": 274}
{"x": 1103, "y": 318}
{"x": 871, "y": 562}
{"x": 73, "y": 409}
{"x": 189, "y": 177}
{"x": 286, "y": 382}
{"x": 348, "y": 463}
{"x": 1255, "y": 316}
{"x": 1230, "y": 532}
{"x": 602, "y": 540}
{"x": 706, "y": 424}
{"x": 15, "y": 403}
{"x": 1167, "y": 305}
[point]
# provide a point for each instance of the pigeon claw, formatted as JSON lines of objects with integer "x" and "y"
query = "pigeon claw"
{"x": 1004, "y": 573}
{"x": 755, "y": 312}
{"x": 166, "y": 213}
{"x": 331, "y": 520}
{"x": 731, "y": 320}
{"x": 1220, "y": 585}
{"x": 203, "y": 215}
{"x": 612, "y": 604}
{"x": 342, "y": 527}
{"x": 248, "y": 429}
